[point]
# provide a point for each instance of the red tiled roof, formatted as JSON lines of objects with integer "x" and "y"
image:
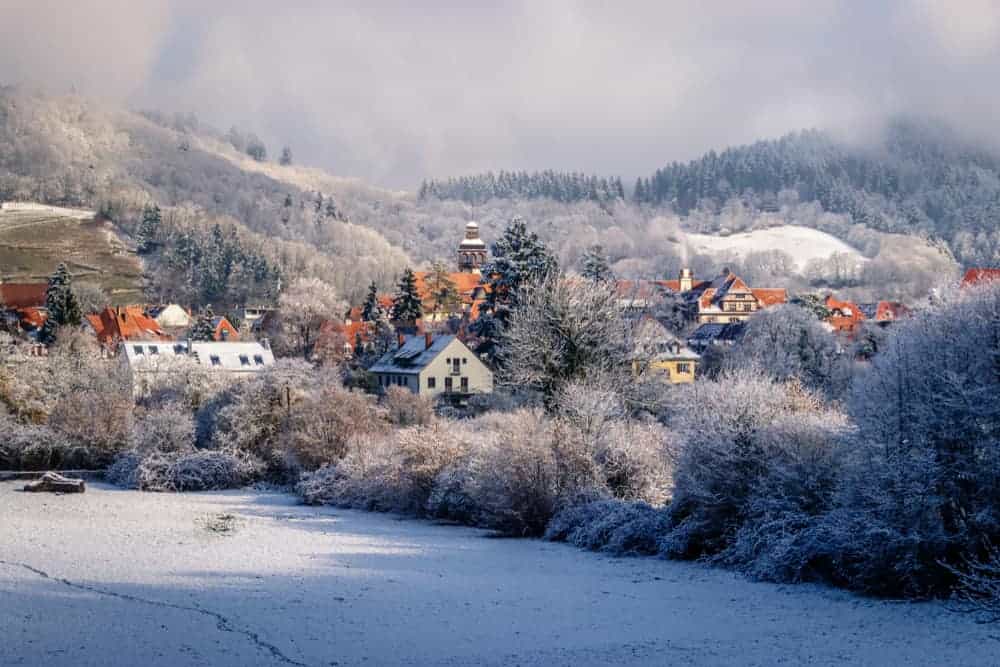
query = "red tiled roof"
{"x": 770, "y": 296}
{"x": 846, "y": 316}
{"x": 129, "y": 323}
{"x": 224, "y": 325}
{"x": 23, "y": 295}
{"x": 976, "y": 276}
{"x": 886, "y": 311}
{"x": 31, "y": 318}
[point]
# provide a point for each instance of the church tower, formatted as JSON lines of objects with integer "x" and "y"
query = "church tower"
{"x": 472, "y": 250}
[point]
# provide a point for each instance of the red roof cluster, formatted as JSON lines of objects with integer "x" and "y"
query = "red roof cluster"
{"x": 113, "y": 325}
{"x": 23, "y": 295}
{"x": 979, "y": 276}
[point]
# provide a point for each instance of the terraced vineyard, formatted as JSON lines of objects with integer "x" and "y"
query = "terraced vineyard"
{"x": 34, "y": 240}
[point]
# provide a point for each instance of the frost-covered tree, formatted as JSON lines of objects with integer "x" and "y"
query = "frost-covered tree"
{"x": 203, "y": 328}
{"x": 565, "y": 329}
{"x": 595, "y": 265}
{"x": 371, "y": 309}
{"x": 407, "y": 306}
{"x": 147, "y": 233}
{"x": 303, "y": 308}
{"x": 286, "y": 156}
{"x": 788, "y": 342}
{"x": 61, "y": 304}
{"x": 442, "y": 294}
{"x": 518, "y": 257}
{"x": 921, "y": 490}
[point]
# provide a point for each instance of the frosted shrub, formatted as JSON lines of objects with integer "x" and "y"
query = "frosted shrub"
{"x": 166, "y": 429}
{"x": 520, "y": 477}
{"x": 613, "y": 526}
{"x": 633, "y": 457}
{"x": 408, "y": 409}
{"x": 33, "y": 447}
{"x": 185, "y": 471}
{"x": 723, "y": 456}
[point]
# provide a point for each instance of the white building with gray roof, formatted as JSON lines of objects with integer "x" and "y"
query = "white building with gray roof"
{"x": 433, "y": 365}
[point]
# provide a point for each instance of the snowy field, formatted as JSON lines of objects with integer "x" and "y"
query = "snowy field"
{"x": 122, "y": 578}
{"x": 802, "y": 243}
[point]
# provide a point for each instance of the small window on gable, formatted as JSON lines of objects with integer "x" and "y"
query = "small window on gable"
{"x": 137, "y": 349}
{"x": 431, "y": 382}
{"x": 258, "y": 359}
{"x": 244, "y": 360}
{"x": 464, "y": 360}
{"x": 215, "y": 360}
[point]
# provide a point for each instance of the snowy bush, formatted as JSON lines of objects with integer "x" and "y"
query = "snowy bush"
{"x": 613, "y": 526}
{"x": 406, "y": 408}
{"x": 729, "y": 439}
{"x": 169, "y": 428}
{"x": 35, "y": 447}
{"x": 526, "y": 468}
{"x": 184, "y": 471}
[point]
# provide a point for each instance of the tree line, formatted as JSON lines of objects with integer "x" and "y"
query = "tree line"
{"x": 559, "y": 186}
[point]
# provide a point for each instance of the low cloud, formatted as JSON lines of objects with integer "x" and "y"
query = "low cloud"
{"x": 396, "y": 94}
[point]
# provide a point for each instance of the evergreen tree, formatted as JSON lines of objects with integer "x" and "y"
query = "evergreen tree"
{"x": 407, "y": 307}
{"x": 371, "y": 309}
{"x": 442, "y": 292}
{"x": 148, "y": 231}
{"x": 204, "y": 326}
{"x": 518, "y": 258}
{"x": 286, "y": 156}
{"x": 595, "y": 265}
{"x": 61, "y": 304}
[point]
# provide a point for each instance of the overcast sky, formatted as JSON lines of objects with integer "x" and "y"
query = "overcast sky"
{"x": 394, "y": 93}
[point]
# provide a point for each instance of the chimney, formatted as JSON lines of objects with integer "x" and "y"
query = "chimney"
{"x": 686, "y": 280}
{"x": 428, "y": 339}
{"x": 400, "y": 338}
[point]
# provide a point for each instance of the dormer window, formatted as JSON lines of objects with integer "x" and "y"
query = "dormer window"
{"x": 215, "y": 360}
{"x": 244, "y": 360}
{"x": 137, "y": 349}
{"x": 179, "y": 349}
{"x": 154, "y": 350}
{"x": 258, "y": 359}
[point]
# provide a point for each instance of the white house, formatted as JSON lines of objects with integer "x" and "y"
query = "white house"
{"x": 433, "y": 365}
{"x": 147, "y": 361}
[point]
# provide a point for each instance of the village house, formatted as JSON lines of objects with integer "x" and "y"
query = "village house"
{"x": 116, "y": 324}
{"x": 432, "y": 365}
{"x": 22, "y": 306}
{"x": 147, "y": 360}
{"x": 845, "y": 317}
{"x": 663, "y": 354}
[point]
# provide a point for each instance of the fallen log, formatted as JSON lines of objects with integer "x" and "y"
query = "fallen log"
{"x": 52, "y": 482}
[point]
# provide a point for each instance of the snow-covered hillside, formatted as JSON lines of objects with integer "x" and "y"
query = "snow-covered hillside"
{"x": 116, "y": 577}
{"x": 802, "y": 243}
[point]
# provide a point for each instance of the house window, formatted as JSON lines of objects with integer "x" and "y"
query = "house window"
{"x": 464, "y": 360}
{"x": 137, "y": 349}
{"x": 683, "y": 367}
{"x": 447, "y": 384}
{"x": 215, "y": 360}
{"x": 431, "y": 382}
{"x": 178, "y": 349}
{"x": 244, "y": 360}
{"x": 465, "y": 385}
{"x": 153, "y": 349}
{"x": 734, "y": 319}
{"x": 258, "y": 359}
{"x": 456, "y": 366}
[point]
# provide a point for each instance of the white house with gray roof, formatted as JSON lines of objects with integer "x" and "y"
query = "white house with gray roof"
{"x": 433, "y": 365}
{"x": 147, "y": 360}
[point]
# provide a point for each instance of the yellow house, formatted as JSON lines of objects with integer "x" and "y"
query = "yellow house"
{"x": 663, "y": 354}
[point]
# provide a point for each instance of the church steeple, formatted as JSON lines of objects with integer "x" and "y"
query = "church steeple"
{"x": 472, "y": 250}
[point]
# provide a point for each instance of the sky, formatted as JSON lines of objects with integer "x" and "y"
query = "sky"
{"x": 397, "y": 92}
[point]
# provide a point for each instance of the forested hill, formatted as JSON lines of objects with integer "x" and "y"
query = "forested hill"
{"x": 922, "y": 178}
{"x": 559, "y": 186}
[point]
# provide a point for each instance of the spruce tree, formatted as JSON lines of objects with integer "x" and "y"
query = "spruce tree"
{"x": 147, "y": 232}
{"x": 518, "y": 258}
{"x": 595, "y": 265}
{"x": 441, "y": 291}
{"x": 371, "y": 309}
{"x": 407, "y": 307}
{"x": 61, "y": 304}
{"x": 204, "y": 326}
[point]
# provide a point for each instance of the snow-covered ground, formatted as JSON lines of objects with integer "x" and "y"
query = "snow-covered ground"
{"x": 802, "y": 243}
{"x": 122, "y": 578}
